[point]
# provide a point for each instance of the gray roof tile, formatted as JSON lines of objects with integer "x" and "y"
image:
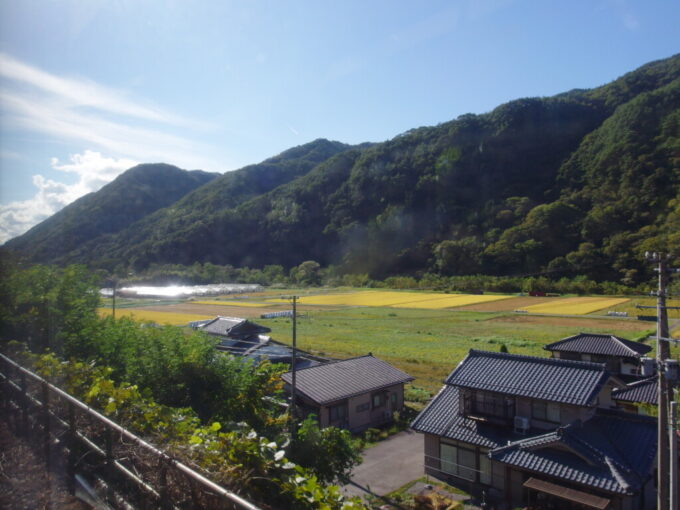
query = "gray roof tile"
{"x": 556, "y": 380}
{"x": 643, "y": 391}
{"x": 338, "y": 380}
{"x": 234, "y": 327}
{"x": 612, "y": 451}
{"x": 605, "y": 345}
{"x": 441, "y": 418}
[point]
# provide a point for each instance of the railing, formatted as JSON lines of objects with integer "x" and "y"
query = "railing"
{"x": 77, "y": 440}
{"x": 495, "y": 410}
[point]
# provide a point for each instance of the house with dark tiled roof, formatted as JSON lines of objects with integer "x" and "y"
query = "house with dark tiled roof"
{"x": 638, "y": 394}
{"x": 621, "y": 356}
{"x": 354, "y": 394}
{"x": 540, "y": 430}
{"x": 243, "y": 338}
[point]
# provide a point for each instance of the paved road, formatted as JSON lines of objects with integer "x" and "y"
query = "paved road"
{"x": 388, "y": 465}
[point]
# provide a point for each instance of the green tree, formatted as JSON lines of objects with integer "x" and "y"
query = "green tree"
{"x": 330, "y": 453}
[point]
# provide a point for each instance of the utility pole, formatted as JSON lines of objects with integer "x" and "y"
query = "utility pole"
{"x": 293, "y": 410}
{"x": 673, "y": 438}
{"x": 664, "y": 388}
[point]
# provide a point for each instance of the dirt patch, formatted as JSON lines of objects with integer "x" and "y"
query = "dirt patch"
{"x": 507, "y": 305}
{"x": 629, "y": 325}
{"x": 24, "y": 481}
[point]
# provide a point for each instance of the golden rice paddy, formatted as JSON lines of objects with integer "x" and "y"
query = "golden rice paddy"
{"x": 575, "y": 305}
{"x": 424, "y": 300}
{"x": 173, "y": 319}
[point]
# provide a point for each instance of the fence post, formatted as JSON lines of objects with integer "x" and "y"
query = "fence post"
{"x": 72, "y": 453}
{"x": 163, "y": 485}
{"x": 46, "y": 421}
{"x": 108, "y": 449}
{"x": 23, "y": 402}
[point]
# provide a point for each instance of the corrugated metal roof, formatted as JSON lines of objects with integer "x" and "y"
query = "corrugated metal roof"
{"x": 556, "y": 380}
{"x": 612, "y": 451}
{"x": 441, "y": 418}
{"x": 605, "y": 345}
{"x": 338, "y": 380}
{"x": 643, "y": 391}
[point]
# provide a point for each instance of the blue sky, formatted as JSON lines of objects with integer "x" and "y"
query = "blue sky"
{"x": 89, "y": 88}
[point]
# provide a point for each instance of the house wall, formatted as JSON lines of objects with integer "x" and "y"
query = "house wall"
{"x": 361, "y": 418}
{"x": 604, "y": 398}
{"x": 630, "y": 368}
{"x": 360, "y": 412}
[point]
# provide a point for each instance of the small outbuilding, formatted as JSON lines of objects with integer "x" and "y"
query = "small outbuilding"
{"x": 353, "y": 394}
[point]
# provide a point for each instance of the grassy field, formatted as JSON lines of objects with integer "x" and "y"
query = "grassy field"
{"x": 428, "y": 344}
{"x": 249, "y": 304}
{"x": 424, "y": 341}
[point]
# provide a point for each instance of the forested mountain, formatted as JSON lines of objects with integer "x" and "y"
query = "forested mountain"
{"x": 579, "y": 183}
{"x": 137, "y": 192}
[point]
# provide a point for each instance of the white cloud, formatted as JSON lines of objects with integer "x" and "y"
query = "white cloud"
{"x": 83, "y": 92}
{"x": 79, "y": 110}
{"x": 93, "y": 171}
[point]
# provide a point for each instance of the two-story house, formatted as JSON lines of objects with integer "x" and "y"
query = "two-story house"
{"x": 621, "y": 356}
{"x": 527, "y": 429}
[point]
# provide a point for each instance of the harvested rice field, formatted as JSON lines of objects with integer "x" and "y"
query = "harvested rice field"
{"x": 149, "y": 315}
{"x": 508, "y": 305}
{"x": 426, "y": 300}
{"x": 576, "y": 305}
{"x": 423, "y": 333}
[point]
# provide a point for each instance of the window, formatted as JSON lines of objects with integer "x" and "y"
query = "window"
{"x": 339, "y": 412}
{"x": 393, "y": 397}
{"x": 484, "y": 468}
{"x": 378, "y": 400}
{"x": 462, "y": 462}
{"x": 363, "y": 407}
{"x": 449, "y": 459}
{"x": 467, "y": 464}
{"x": 545, "y": 411}
{"x": 492, "y": 405}
{"x": 553, "y": 413}
{"x": 539, "y": 410}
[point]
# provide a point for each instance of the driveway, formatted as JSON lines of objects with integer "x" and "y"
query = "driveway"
{"x": 388, "y": 465}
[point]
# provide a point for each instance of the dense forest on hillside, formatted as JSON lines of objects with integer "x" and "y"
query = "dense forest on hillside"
{"x": 581, "y": 183}
{"x": 133, "y": 195}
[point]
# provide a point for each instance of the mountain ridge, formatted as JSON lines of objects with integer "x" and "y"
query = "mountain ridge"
{"x": 522, "y": 188}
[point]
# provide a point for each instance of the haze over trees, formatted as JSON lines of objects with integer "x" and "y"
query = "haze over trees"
{"x": 581, "y": 183}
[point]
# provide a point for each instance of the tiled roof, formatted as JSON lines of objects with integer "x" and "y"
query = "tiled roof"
{"x": 556, "y": 380}
{"x": 233, "y": 326}
{"x": 338, "y": 380}
{"x": 612, "y": 451}
{"x": 605, "y": 345}
{"x": 441, "y": 418}
{"x": 642, "y": 391}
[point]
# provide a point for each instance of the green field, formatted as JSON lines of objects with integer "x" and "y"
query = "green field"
{"x": 428, "y": 344}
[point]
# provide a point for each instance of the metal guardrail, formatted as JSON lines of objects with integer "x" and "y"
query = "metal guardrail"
{"x": 69, "y": 427}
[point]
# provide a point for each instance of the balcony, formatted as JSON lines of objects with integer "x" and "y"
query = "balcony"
{"x": 488, "y": 408}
